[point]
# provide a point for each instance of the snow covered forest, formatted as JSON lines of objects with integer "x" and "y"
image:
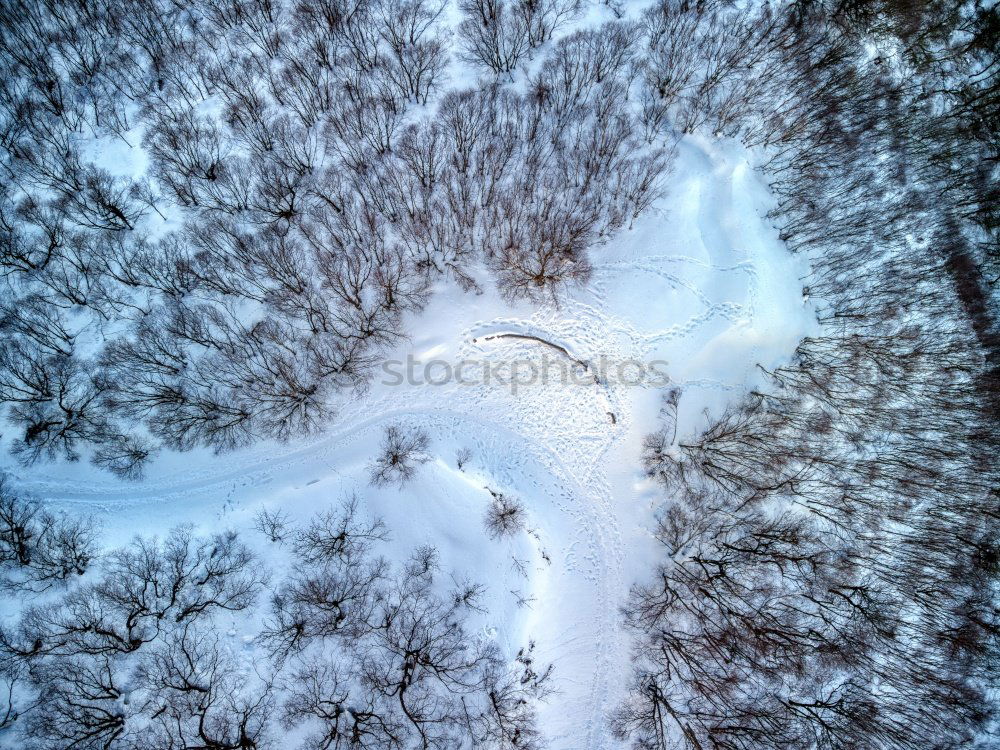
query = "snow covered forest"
{"x": 759, "y": 241}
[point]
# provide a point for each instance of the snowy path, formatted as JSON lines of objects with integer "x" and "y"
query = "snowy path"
{"x": 700, "y": 283}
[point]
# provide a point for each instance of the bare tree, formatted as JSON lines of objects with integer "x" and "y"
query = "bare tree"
{"x": 80, "y": 705}
{"x": 402, "y": 452}
{"x": 273, "y": 524}
{"x": 340, "y": 534}
{"x": 321, "y": 693}
{"x": 418, "y": 56}
{"x": 494, "y": 35}
{"x": 338, "y": 599}
{"x": 125, "y": 456}
{"x": 11, "y": 674}
{"x": 337, "y": 588}
{"x": 200, "y": 697}
{"x": 505, "y": 516}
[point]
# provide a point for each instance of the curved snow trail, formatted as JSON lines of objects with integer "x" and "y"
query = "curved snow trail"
{"x": 701, "y": 283}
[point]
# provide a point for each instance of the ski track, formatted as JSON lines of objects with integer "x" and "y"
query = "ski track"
{"x": 556, "y": 443}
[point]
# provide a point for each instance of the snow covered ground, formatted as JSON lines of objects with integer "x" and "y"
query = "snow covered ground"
{"x": 700, "y": 283}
